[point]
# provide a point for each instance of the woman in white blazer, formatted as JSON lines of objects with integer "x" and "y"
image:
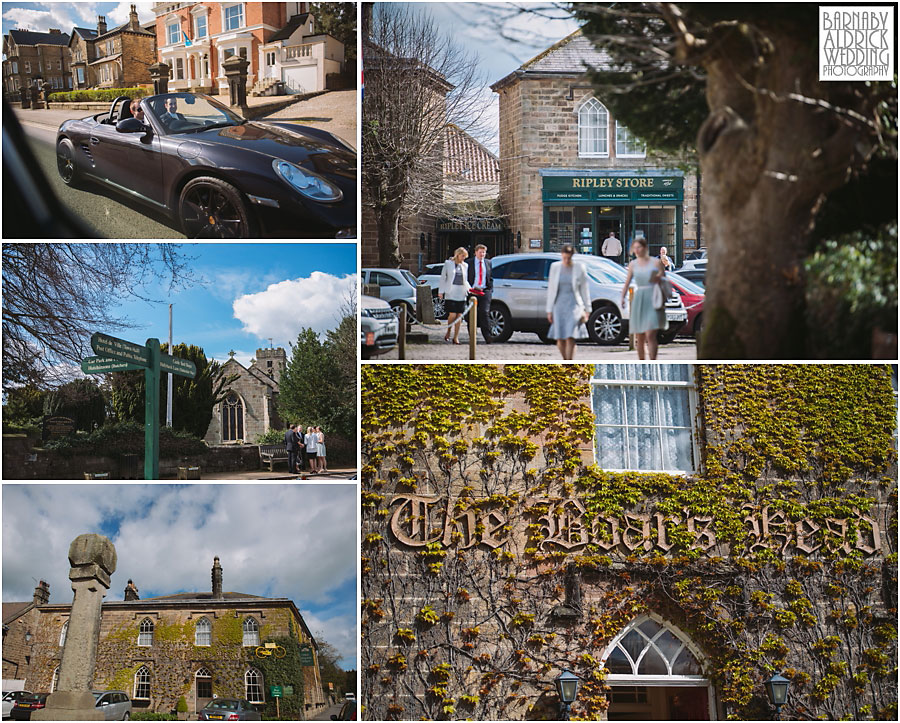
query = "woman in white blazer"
{"x": 454, "y": 289}
{"x": 568, "y": 302}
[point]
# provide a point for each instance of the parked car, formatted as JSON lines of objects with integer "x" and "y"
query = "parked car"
{"x": 216, "y": 173}
{"x": 9, "y": 699}
{"x": 378, "y": 327}
{"x": 694, "y": 260}
{"x": 520, "y": 293}
{"x": 697, "y": 276}
{"x": 395, "y": 286}
{"x": 692, "y": 297}
{"x": 348, "y": 711}
{"x": 228, "y": 709}
{"x": 23, "y": 707}
{"x": 115, "y": 704}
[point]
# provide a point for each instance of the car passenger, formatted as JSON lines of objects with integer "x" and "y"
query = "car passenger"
{"x": 136, "y": 110}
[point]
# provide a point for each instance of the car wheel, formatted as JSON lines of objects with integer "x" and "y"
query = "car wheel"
{"x": 500, "y": 324}
{"x": 127, "y": 716}
{"x": 397, "y": 305}
{"x": 605, "y": 326}
{"x": 440, "y": 310}
{"x": 542, "y": 335}
{"x": 65, "y": 162}
{"x": 667, "y": 336}
{"x": 698, "y": 327}
{"x": 211, "y": 208}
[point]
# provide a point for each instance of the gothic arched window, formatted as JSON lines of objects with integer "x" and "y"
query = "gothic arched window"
{"x": 253, "y": 686}
{"x": 145, "y": 634}
{"x": 203, "y": 633}
{"x": 251, "y": 632}
{"x": 232, "y": 418}
{"x": 593, "y": 129}
{"x": 142, "y": 683}
{"x": 650, "y": 647}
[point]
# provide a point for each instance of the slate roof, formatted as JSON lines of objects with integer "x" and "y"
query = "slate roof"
{"x": 207, "y": 596}
{"x": 86, "y": 33}
{"x": 295, "y": 22}
{"x": 466, "y": 159}
{"x": 12, "y": 610}
{"x": 28, "y": 37}
{"x": 124, "y": 27}
{"x": 572, "y": 55}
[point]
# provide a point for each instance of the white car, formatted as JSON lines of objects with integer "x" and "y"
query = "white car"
{"x": 378, "y": 327}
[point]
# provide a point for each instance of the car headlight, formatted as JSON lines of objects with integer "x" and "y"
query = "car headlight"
{"x": 307, "y": 183}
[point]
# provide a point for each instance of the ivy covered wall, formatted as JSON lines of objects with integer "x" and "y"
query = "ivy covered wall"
{"x": 496, "y": 554}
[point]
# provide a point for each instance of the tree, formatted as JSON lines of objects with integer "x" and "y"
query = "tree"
{"x": 23, "y": 404}
{"x": 330, "y": 671}
{"x": 339, "y": 21}
{"x": 417, "y": 81}
{"x": 193, "y": 400}
{"x": 55, "y": 295}
{"x": 81, "y": 400}
{"x": 773, "y": 142}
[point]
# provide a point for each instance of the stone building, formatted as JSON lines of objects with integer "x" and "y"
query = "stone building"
{"x": 82, "y": 53}
{"x": 571, "y": 173}
{"x": 249, "y": 408}
{"x": 35, "y": 58}
{"x": 117, "y": 58}
{"x": 671, "y": 534}
{"x": 192, "y": 644}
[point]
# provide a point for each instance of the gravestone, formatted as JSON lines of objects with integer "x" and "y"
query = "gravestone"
{"x": 93, "y": 560}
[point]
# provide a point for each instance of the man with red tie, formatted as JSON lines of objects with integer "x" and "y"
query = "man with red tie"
{"x": 482, "y": 287}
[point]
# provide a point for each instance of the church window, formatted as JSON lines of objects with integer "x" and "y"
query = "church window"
{"x": 643, "y": 417}
{"x": 232, "y": 418}
{"x": 204, "y": 683}
{"x": 142, "y": 683}
{"x": 253, "y": 686}
{"x": 202, "y": 632}
{"x": 251, "y": 632}
{"x": 145, "y": 635}
{"x": 593, "y": 129}
{"x": 62, "y": 633}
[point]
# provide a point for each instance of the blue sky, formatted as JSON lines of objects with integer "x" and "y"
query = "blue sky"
{"x": 293, "y": 541}
{"x": 247, "y": 294}
{"x": 43, "y": 16}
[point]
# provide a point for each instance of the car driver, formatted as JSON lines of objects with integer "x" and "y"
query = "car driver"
{"x": 171, "y": 113}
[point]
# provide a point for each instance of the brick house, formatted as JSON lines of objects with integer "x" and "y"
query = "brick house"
{"x": 35, "y": 58}
{"x": 248, "y": 409}
{"x": 571, "y": 173}
{"x": 672, "y": 534}
{"x": 192, "y": 644}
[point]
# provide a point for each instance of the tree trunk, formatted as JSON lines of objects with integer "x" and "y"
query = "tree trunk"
{"x": 387, "y": 222}
{"x": 767, "y": 157}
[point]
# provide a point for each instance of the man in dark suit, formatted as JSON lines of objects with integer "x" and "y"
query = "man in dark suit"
{"x": 300, "y": 440}
{"x": 481, "y": 281}
{"x": 290, "y": 444}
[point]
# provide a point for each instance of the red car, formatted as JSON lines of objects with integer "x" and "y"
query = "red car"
{"x": 692, "y": 296}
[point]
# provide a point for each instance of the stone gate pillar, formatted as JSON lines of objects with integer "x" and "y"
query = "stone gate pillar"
{"x": 235, "y": 69}
{"x": 159, "y": 74}
{"x": 46, "y": 88}
{"x": 25, "y": 98}
{"x": 93, "y": 560}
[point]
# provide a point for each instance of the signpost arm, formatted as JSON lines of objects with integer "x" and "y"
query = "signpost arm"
{"x": 151, "y": 412}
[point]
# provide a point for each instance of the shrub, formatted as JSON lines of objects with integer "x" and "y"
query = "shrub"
{"x": 115, "y": 440}
{"x": 147, "y": 715}
{"x": 273, "y": 436}
{"x": 97, "y": 95}
{"x": 181, "y": 706}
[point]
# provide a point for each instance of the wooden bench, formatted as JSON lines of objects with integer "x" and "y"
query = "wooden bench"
{"x": 272, "y": 453}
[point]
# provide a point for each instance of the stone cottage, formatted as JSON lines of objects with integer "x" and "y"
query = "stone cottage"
{"x": 248, "y": 409}
{"x": 672, "y": 535}
{"x": 192, "y": 644}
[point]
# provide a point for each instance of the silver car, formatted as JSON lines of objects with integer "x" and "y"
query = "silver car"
{"x": 395, "y": 286}
{"x": 520, "y": 293}
{"x": 378, "y": 327}
{"x": 114, "y": 704}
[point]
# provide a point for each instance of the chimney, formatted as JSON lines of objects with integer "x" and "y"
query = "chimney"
{"x": 217, "y": 580}
{"x": 101, "y": 25}
{"x": 55, "y": 31}
{"x": 131, "y": 592}
{"x": 133, "y": 21}
{"x": 42, "y": 593}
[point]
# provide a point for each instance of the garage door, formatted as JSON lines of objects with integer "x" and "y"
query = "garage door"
{"x": 300, "y": 80}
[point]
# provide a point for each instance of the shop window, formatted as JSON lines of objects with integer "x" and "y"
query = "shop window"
{"x": 253, "y": 686}
{"x": 628, "y": 145}
{"x": 643, "y": 417}
{"x": 570, "y": 225}
{"x": 145, "y": 634}
{"x": 251, "y": 632}
{"x": 202, "y": 633}
{"x": 142, "y": 684}
{"x": 649, "y": 647}
{"x": 593, "y": 129}
{"x": 658, "y": 226}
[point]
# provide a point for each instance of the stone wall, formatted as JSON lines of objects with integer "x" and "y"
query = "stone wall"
{"x": 138, "y": 54}
{"x": 17, "y": 650}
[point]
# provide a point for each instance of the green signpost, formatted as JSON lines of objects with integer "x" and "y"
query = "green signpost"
{"x": 275, "y": 691}
{"x": 116, "y": 355}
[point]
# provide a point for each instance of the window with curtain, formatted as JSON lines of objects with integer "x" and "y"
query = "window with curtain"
{"x": 142, "y": 683}
{"x": 643, "y": 417}
{"x": 251, "y": 632}
{"x": 145, "y": 634}
{"x": 593, "y": 129}
{"x": 203, "y": 633}
{"x": 628, "y": 145}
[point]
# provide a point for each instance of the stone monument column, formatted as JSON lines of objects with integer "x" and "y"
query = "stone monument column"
{"x": 93, "y": 560}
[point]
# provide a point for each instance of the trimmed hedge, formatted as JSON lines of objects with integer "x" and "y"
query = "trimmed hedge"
{"x": 145, "y": 715}
{"x": 97, "y": 95}
{"x": 114, "y": 440}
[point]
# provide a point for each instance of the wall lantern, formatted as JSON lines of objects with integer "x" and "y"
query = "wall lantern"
{"x": 518, "y": 239}
{"x": 777, "y": 690}
{"x": 567, "y": 684}
{"x": 28, "y": 636}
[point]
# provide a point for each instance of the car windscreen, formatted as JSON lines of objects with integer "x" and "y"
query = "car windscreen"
{"x": 686, "y": 284}
{"x": 222, "y": 704}
{"x": 188, "y": 113}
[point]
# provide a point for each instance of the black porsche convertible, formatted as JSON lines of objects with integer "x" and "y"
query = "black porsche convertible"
{"x": 219, "y": 175}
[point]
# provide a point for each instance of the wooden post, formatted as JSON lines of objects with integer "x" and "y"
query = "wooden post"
{"x": 401, "y": 334}
{"x": 278, "y": 707}
{"x": 473, "y": 327}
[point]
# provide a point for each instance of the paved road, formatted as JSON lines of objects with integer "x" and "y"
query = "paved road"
{"x": 524, "y": 346}
{"x": 111, "y": 215}
{"x": 334, "y": 112}
{"x": 326, "y": 713}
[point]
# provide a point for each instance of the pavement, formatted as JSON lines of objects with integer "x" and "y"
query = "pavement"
{"x": 326, "y": 713}
{"x": 524, "y": 346}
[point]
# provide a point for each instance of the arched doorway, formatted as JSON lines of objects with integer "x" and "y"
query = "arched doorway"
{"x": 202, "y": 688}
{"x": 655, "y": 673}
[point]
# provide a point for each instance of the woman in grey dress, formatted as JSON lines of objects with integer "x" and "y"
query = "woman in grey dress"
{"x": 645, "y": 319}
{"x": 568, "y": 302}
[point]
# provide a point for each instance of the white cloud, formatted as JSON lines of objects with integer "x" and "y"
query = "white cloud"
{"x": 292, "y": 541}
{"x": 286, "y": 307}
{"x": 119, "y": 14}
{"x": 58, "y": 15}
